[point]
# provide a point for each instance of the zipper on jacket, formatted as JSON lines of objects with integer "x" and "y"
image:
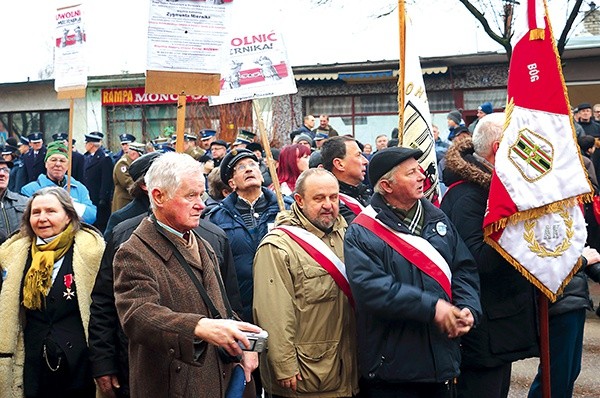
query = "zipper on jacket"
{"x": 6, "y": 219}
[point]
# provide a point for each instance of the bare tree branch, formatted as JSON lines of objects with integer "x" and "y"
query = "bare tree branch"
{"x": 503, "y": 40}
{"x": 562, "y": 41}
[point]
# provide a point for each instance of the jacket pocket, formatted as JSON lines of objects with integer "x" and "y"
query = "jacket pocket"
{"x": 318, "y": 285}
{"x": 320, "y": 367}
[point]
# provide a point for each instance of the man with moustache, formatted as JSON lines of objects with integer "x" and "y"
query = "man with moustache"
{"x": 302, "y": 298}
{"x": 414, "y": 282}
{"x": 343, "y": 158}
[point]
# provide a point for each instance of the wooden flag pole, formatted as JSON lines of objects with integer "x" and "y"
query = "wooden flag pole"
{"x": 264, "y": 139}
{"x": 401, "y": 69}
{"x": 70, "y": 144}
{"x": 181, "y": 102}
{"x": 544, "y": 345}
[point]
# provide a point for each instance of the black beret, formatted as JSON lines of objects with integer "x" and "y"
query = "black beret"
{"x": 140, "y": 166}
{"x": 219, "y": 142}
{"x": 229, "y": 161}
{"x": 254, "y": 146}
{"x": 585, "y": 105}
{"x": 387, "y": 158}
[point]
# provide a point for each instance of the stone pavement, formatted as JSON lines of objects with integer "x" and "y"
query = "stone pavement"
{"x": 588, "y": 382}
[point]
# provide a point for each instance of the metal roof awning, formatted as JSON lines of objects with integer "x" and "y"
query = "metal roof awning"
{"x": 316, "y": 76}
{"x": 364, "y": 75}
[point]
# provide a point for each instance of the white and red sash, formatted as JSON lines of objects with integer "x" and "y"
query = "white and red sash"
{"x": 414, "y": 248}
{"x": 322, "y": 254}
{"x": 353, "y": 204}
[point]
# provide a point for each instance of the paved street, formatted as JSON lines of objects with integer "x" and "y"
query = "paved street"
{"x": 588, "y": 383}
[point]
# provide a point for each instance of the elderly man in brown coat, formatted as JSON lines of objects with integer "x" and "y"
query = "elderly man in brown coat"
{"x": 170, "y": 296}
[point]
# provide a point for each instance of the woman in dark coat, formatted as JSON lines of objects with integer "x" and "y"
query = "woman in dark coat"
{"x": 50, "y": 268}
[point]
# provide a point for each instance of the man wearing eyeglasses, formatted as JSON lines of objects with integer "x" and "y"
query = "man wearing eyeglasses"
{"x": 57, "y": 164}
{"x": 246, "y": 216}
{"x": 12, "y": 204}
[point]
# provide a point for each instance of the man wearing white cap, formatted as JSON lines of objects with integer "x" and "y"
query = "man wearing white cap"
{"x": 34, "y": 159}
{"x": 97, "y": 177}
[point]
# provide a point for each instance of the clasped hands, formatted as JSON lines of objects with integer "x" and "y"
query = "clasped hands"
{"x": 451, "y": 320}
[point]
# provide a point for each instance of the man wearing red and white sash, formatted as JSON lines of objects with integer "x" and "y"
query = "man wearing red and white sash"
{"x": 414, "y": 284}
{"x": 302, "y": 297}
{"x": 342, "y": 156}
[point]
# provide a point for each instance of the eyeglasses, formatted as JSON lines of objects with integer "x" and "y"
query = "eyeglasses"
{"x": 242, "y": 167}
{"x": 4, "y": 170}
{"x": 57, "y": 160}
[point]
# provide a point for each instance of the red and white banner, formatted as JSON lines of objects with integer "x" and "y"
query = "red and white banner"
{"x": 70, "y": 67}
{"x": 533, "y": 218}
{"x": 417, "y": 131}
{"x": 254, "y": 65}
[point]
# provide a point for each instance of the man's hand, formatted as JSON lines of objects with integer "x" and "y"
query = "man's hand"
{"x": 465, "y": 322}
{"x": 291, "y": 382}
{"x": 446, "y": 316}
{"x": 249, "y": 363}
{"x": 591, "y": 255}
{"x": 225, "y": 333}
{"x": 107, "y": 384}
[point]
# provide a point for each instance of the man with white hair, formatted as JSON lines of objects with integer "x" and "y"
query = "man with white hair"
{"x": 170, "y": 296}
{"x": 507, "y": 331}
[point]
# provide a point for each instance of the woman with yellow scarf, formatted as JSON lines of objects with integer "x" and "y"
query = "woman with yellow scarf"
{"x": 49, "y": 269}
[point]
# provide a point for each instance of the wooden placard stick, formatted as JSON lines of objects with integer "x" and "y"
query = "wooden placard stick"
{"x": 264, "y": 139}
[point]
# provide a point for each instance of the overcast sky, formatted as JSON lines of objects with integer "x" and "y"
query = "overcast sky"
{"x": 342, "y": 31}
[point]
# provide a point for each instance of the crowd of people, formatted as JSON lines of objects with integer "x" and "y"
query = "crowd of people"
{"x": 148, "y": 273}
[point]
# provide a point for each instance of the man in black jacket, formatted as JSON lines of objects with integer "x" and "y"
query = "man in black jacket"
{"x": 507, "y": 331}
{"x": 342, "y": 156}
{"x": 97, "y": 177}
{"x": 414, "y": 283}
{"x": 108, "y": 343}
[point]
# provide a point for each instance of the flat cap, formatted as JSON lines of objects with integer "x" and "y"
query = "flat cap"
{"x": 388, "y": 158}
{"x": 229, "y": 161}
{"x": 220, "y": 143}
{"x": 585, "y": 105}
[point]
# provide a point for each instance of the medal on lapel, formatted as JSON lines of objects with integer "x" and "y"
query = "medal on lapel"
{"x": 69, "y": 294}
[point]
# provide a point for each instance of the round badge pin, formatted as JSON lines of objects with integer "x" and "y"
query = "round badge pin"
{"x": 441, "y": 228}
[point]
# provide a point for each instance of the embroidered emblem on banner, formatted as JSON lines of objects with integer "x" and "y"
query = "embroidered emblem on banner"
{"x": 532, "y": 155}
{"x": 550, "y": 233}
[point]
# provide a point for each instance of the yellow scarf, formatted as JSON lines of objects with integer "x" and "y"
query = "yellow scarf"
{"x": 39, "y": 277}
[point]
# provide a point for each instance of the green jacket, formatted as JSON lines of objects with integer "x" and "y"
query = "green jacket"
{"x": 310, "y": 322}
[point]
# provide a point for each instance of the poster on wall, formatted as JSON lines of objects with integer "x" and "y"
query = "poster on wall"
{"x": 70, "y": 68}
{"x": 187, "y": 35}
{"x": 254, "y": 65}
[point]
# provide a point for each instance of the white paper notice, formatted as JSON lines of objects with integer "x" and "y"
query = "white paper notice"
{"x": 186, "y": 35}
{"x": 70, "y": 68}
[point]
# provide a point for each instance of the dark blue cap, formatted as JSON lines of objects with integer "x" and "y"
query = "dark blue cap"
{"x": 60, "y": 137}
{"x": 94, "y": 136}
{"x": 206, "y": 134}
{"x": 36, "y": 137}
{"x": 126, "y": 138}
{"x": 23, "y": 140}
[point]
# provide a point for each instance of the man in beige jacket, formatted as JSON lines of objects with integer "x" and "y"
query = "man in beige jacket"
{"x": 302, "y": 298}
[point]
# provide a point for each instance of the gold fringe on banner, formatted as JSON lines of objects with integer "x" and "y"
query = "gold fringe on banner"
{"x": 530, "y": 277}
{"x": 537, "y": 34}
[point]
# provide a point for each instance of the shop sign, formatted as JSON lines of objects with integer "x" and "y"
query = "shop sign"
{"x": 138, "y": 96}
